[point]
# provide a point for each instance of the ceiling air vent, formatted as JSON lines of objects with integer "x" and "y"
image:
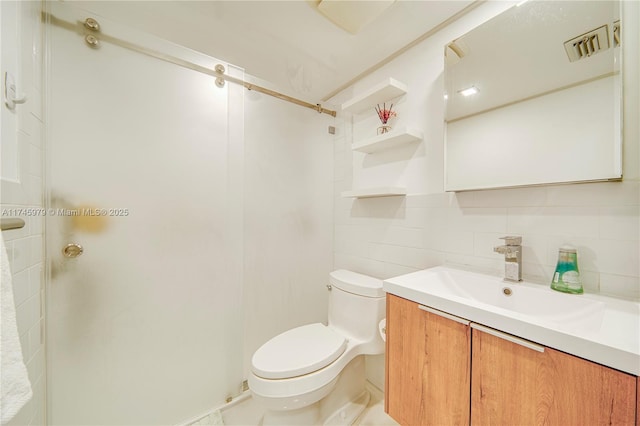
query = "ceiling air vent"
{"x": 587, "y": 44}
{"x": 616, "y": 34}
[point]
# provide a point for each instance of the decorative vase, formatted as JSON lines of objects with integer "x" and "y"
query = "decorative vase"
{"x": 384, "y": 114}
{"x": 384, "y": 129}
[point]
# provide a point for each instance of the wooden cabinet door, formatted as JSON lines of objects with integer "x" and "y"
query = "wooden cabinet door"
{"x": 513, "y": 384}
{"x": 427, "y": 366}
{"x": 638, "y": 402}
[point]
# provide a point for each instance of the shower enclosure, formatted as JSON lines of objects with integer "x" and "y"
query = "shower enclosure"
{"x": 144, "y": 227}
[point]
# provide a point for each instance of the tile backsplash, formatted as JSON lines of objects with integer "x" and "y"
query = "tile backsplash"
{"x": 401, "y": 235}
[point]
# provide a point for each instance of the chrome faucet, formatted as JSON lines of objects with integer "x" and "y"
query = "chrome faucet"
{"x": 512, "y": 250}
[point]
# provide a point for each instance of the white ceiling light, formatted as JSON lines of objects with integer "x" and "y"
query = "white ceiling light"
{"x": 469, "y": 91}
{"x": 352, "y": 15}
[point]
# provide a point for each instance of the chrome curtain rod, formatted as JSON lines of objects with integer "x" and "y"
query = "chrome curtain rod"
{"x": 94, "y": 38}
{"x": 11, "y": 223}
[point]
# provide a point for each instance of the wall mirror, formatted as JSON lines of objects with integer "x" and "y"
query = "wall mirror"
{"x": 533, "y": 96}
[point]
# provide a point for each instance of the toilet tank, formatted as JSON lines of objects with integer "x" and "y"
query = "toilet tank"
{"x": 356, "y": 306}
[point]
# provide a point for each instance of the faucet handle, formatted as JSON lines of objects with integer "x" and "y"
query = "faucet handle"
{"x": 512, "y": 240}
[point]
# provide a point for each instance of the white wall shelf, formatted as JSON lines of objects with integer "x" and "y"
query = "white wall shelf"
{"x": 384, "y": 191}
{"x": 388, "y": 140}
{"x": 383, "y": 92}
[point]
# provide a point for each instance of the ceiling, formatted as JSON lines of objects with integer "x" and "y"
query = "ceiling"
{"x": 287, "y": 43}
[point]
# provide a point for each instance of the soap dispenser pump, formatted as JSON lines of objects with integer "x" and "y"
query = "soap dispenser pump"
{"x": 567, "y": 276}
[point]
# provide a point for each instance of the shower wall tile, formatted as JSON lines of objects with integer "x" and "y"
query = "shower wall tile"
{"x": 20, "y": 281}
{"x": 25, "y": 246}
{"x": 21, "y": 254}
{"x": 35, "y": 160}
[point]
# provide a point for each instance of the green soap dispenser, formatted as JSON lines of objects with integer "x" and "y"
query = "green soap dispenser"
{"x": 567, "y": 276}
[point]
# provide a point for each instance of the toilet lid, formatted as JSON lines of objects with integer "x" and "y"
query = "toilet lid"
{"x": 299, "y": 351}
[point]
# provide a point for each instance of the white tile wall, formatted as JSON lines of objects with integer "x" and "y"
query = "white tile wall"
{"x": 391, "y": 236}
{"x": 25, "y": 246}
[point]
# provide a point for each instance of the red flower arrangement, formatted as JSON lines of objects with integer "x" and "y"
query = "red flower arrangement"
{"x": 385, "y": 114}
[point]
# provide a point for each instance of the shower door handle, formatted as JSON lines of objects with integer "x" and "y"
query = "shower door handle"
{"x": 72, "y": 250}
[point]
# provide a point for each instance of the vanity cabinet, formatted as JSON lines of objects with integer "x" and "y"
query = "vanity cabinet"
{"x": 427, "y": 366}
{"x": 436, "y": 376}
{"x": 516, "y": 382}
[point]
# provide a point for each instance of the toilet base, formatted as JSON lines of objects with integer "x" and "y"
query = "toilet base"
{"x": 344, "y": 416}
{"x": 309, "y": 415}
{"x": 341, "y": 406}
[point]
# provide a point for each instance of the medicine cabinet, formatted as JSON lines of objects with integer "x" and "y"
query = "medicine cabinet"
{"x": 533, "y": 96}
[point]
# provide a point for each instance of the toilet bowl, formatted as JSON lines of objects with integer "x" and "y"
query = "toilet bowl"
{"x": 315, "y": 373}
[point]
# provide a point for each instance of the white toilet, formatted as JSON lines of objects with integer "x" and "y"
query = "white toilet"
{"x": 315, "y": 374}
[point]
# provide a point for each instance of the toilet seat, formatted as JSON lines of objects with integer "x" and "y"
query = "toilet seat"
{"x": 298, "y": 351}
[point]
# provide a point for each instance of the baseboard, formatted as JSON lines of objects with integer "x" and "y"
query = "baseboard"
{"x": 239, "y": 415}
{"x": 244, "y": 396}
{"x": 374, "y": 390}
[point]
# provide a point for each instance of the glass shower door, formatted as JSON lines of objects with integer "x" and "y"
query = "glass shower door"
{"x": 144, "y": 230}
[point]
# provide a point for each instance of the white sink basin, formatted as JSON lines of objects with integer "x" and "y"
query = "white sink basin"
{"x": 568, "y": 311}
{"x": 598, "y": 328}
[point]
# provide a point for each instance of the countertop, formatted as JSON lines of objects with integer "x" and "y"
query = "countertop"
{"x": 610, "y": 336}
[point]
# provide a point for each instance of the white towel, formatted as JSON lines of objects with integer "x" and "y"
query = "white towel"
{"x": 15, "y": 388}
